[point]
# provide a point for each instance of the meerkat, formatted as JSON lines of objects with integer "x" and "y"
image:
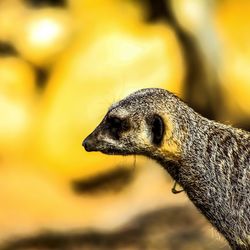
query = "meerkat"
{"x": 210, "y": 160}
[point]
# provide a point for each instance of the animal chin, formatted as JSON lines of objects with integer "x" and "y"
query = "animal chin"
{"x": 113, "y": 151}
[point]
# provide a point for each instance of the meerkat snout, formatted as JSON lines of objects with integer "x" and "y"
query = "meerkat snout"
{"x": 88, "y": 144}
{"x": 108, "y": 137}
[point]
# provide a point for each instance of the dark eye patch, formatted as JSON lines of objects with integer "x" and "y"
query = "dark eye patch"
{"x": 157, "y": 129}
{"x": 114, "y": 122}
{"x": 116, "y": 126}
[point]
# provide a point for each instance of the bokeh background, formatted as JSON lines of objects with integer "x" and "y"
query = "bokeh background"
{"x": 62, "y": 64}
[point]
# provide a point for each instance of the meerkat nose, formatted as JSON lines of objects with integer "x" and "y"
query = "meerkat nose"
{"x": 87, "y": 144}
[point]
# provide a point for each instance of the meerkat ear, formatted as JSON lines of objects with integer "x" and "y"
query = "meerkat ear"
{"x": 157, "y": 129}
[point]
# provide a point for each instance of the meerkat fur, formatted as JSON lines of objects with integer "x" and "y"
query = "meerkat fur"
{"x": 210, "y": 160}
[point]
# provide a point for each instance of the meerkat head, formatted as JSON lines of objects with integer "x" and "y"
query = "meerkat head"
{"x": 144, "y": 123}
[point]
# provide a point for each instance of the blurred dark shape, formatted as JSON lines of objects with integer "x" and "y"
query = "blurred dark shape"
{"x": 157, "y": 10}
{"x": 199, "y": 75}
{"x": 42, "y": 76}
{"x": 42, "y": 3}
{"x": 113, "y": 181}
{"x": 7, "y": 49}
{"x": 174, "y": 228}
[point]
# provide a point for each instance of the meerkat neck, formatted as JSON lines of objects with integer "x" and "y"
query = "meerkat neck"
{"x": 216, "y": 176}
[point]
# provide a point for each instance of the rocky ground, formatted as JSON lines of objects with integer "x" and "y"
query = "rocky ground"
{"x": 172, "y": 228}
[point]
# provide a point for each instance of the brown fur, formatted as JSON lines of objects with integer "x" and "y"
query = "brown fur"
{"x": 210, "y": 160}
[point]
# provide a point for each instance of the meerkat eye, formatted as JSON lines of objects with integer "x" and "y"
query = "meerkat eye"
{"x": 114, "y": 122}
{"x": 115, "y": 126}
{"x": 157, "y": 129}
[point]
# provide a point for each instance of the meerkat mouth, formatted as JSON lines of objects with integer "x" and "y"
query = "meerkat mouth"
{"x": 113, "y": 151}
{"x": 93, "y": 146}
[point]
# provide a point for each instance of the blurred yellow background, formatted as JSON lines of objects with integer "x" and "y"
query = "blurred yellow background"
{"x": 63, "y": 63}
